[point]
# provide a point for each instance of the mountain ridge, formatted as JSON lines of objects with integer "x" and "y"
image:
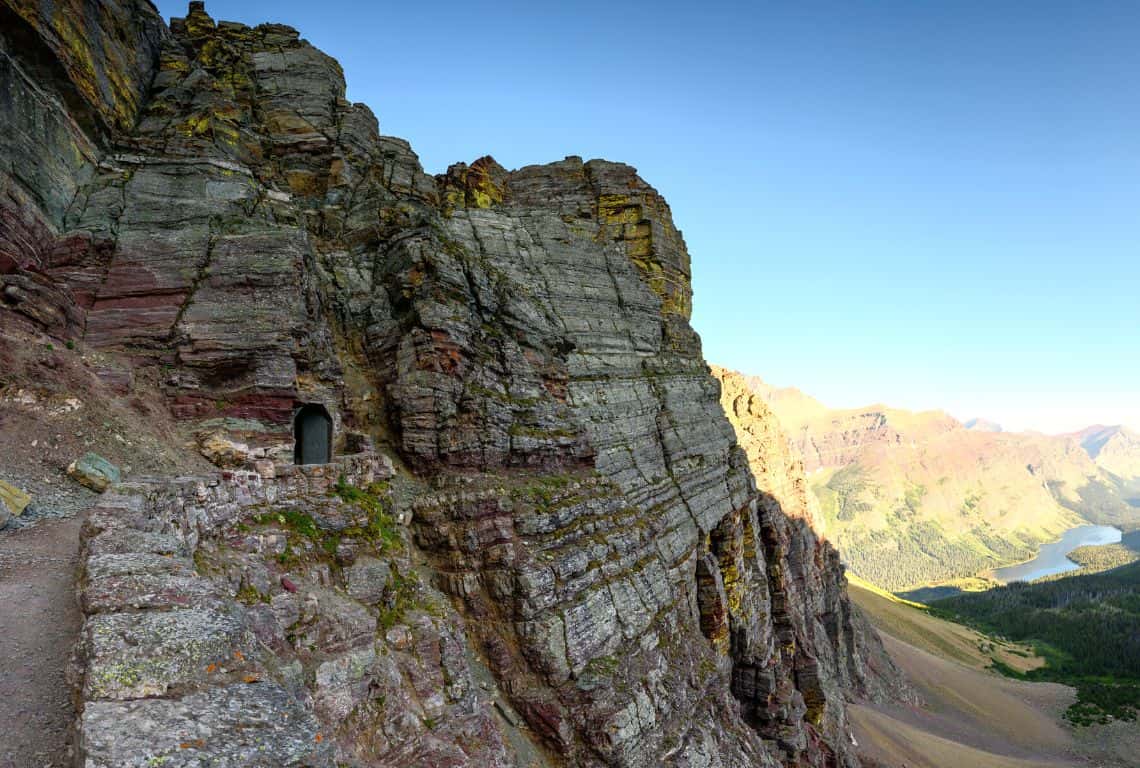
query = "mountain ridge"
{"x": 539, "y": 541}
{"x": 915, "y": 498}
{"x": 1116, "y": 448}
{"x": 984, "y": 425}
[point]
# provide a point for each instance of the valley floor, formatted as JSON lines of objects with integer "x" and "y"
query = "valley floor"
{"x": 972, "y": 717}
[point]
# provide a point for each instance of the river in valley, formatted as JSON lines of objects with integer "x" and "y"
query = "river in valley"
{"x": 1051, "y": 558}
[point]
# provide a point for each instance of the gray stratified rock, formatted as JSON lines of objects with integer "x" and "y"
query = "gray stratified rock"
{"x": 237, "y": 726}
{"x": 368, "y": 579}
{"x": 173, "y": 630}
{"x": 128, "y": 541}
{"x": 137, "y": 655}
{"x": 243, "y": 234}
{"x": 115, "y": 594}
{"x": 136, "y": 563}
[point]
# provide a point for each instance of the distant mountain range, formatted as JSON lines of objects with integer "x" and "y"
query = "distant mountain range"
{"x": 983, "y": 425}
{"x": 915, "y": 498}
{"x": 1115, "y": 448}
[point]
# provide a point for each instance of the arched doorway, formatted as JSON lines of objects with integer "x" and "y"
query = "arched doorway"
{"x": 312, "y": 435}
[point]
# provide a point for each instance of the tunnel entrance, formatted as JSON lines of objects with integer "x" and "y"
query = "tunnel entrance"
{"x": 312, "y": 435}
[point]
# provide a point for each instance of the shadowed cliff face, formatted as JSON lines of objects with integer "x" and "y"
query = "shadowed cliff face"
{"x": 859, "y": 666}
{"x": 224, "y": 222}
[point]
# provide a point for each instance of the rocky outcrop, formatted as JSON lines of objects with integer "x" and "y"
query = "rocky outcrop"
{"x": 242, "y": 239}
{"x": 846, "y": 434}
{"x": 225, "y": 626}
{"x": 73, "y": 76}
{"x": 778, "y": 469}
{"x": 859, "y": 666}
{"x": 13, "y": 501}
{"x": 826, "y": 437}
{"x": 93, "y": 471}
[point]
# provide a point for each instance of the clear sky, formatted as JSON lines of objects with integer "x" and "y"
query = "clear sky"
{"x": 929, "y": 204}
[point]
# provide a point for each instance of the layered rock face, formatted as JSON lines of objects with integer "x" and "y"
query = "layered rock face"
{"x": 859, "y": 665}
{"x": 225, "y": 626}
{"x": 776, "y": 466}
{"x": 243, "y": 238}
{"x": 72, "y": 76}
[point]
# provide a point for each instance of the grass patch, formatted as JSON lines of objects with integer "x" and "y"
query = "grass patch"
{"x": 544, "y": 491}
{"x": 373, "y": 523}
{"x": 250, "y": 596}
{"x": 405, "y": 596}
{"x": 380, "y": 527}
{"x": 1087, "y": 627}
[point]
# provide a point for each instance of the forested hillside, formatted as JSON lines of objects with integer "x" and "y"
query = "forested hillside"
{"x": 916, "y": 498}
{"x": 1103, "y": 557}
{"x": 1087, "y": 626}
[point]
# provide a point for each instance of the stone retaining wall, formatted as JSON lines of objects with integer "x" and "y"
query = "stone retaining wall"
{"x": 191, "y": 654}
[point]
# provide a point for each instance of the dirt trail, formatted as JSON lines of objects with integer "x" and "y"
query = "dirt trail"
{"x": 39, "y": 620}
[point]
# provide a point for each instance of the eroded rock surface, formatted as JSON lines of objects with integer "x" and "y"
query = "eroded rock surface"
{"x": 93, "y": 471}
{"x": 226, "y": 625}
{"x": 854, "y": 660}
{"x": 573, "y": 566}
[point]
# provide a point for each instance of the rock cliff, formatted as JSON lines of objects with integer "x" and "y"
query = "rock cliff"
{"x": 571, "y": 532}
{"x": 860, "y": 666}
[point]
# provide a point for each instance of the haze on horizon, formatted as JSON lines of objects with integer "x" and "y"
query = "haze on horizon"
{"x": 925, "y": 205}
{"x": 1023, "y": 412}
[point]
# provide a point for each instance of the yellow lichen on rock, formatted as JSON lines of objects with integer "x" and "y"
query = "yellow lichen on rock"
{"x": 13, "y": 500}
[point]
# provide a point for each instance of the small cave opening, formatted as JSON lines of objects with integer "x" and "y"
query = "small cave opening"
{"x": 312, "y": 435}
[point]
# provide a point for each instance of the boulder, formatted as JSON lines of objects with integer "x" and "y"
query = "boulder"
{"x": 221, "y": 450}
{"x": 13, "y": 501}
{"x": 93, "y": 471}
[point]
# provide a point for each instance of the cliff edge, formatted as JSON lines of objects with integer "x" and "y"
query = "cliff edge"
{"x": 537, "y": 541}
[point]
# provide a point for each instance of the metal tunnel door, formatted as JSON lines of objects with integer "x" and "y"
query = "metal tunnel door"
{"x": 312, "y": 430}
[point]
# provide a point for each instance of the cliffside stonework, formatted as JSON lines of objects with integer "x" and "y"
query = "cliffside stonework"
{"x": 224, "y": 223}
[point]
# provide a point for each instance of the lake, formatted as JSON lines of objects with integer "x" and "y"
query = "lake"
{"x": 1051, "y": 558}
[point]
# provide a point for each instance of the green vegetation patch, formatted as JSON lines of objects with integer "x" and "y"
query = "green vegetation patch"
{"x": 1100, "y": 501}
{"x": 544, "y": 491}
{"x": 380, "y": 527}
{"x": 970, "y": 504}
{"x": 1095, "y": 558}
{"x": 374, "y": 524}
{"x": 404, "y": 596}
{"x": 1086, "y": 626}
{"x": 849, "y": 489}
{"x": 915, "y": 493}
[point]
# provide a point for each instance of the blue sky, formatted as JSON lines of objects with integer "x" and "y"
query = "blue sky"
{"x": 924, "y": 204}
